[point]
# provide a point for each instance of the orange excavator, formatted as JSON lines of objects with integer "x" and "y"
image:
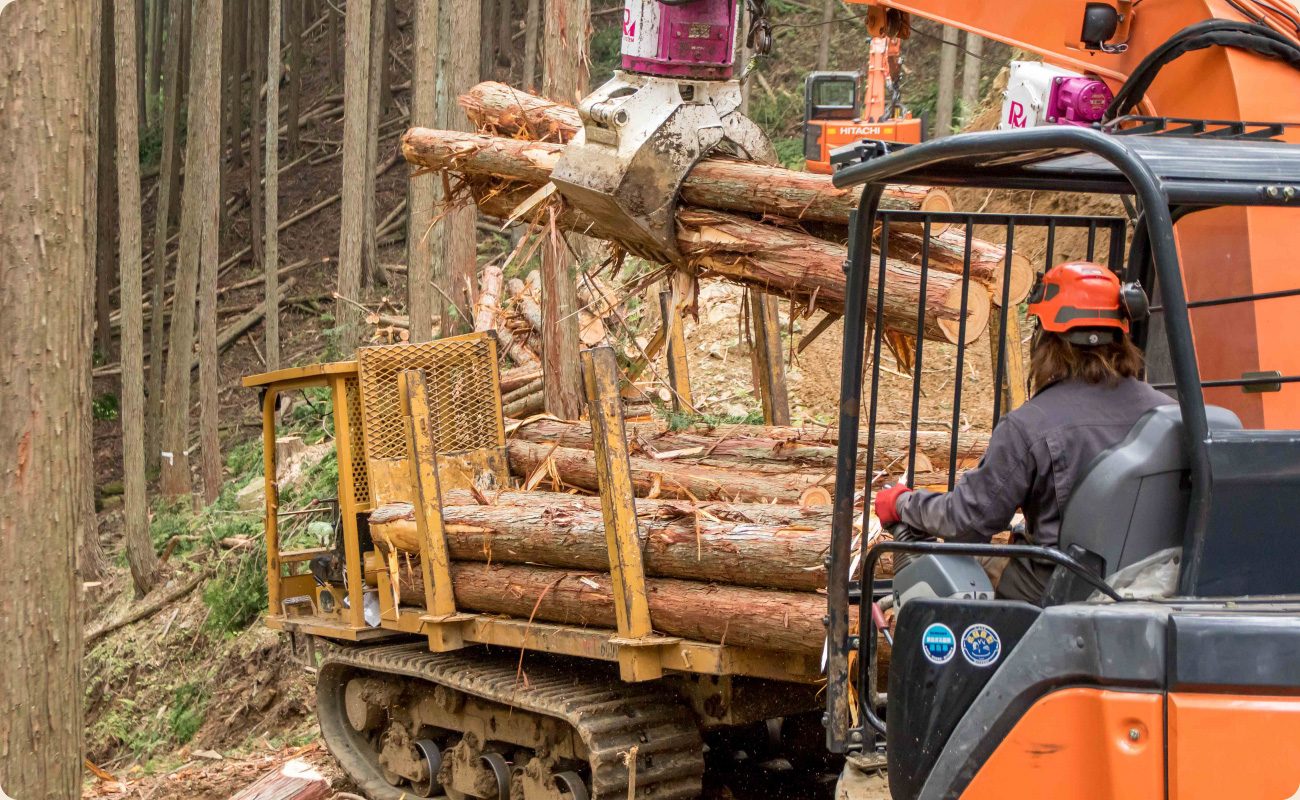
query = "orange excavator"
{"x": 1162, "y": 659}
{"x": 839, "y": 110}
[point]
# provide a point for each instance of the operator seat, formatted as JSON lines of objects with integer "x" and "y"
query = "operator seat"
{"x": 1132, "y": 500}
{"x": 1131, "y": 503}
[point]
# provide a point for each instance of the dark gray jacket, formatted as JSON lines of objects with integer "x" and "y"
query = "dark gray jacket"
{"x": 1035, "y": 457}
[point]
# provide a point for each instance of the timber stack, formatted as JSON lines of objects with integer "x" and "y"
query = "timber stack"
{"x": 742, "y": 574}
{"x": 761, "y": 226}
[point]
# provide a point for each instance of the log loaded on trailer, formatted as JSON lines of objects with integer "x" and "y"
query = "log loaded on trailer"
{"x": 1164, "y": 661}
{"x": 640, "y": 635}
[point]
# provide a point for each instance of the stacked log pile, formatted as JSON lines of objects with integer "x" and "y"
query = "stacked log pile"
{"x": 742, "y": 574}
{"x": 748, "y": 223}
{"x": 736, "y": 463}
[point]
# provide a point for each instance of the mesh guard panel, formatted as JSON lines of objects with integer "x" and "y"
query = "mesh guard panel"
{"x": 462, "y": 378}
{"x": 360, "y": 470}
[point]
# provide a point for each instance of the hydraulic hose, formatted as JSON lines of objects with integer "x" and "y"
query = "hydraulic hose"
{"x": 1247, "y": 36}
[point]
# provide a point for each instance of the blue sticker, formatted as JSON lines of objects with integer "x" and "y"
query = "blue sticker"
{"x": 980, "y": 645}
{"x": 938, "y": 643}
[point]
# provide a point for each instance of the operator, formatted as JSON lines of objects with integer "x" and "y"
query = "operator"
{"x": 1088, "y": 394}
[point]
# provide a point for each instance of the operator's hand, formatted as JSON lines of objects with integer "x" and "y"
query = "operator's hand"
{"x": 887, "y": 503}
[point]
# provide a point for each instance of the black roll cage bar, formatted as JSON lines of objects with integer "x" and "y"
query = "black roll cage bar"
{"x": 1154, "y": 246}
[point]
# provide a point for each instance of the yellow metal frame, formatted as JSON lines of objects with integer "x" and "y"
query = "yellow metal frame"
{"x": 640, "y": 653}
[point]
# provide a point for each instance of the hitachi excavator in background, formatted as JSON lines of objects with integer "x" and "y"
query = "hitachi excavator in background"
{"x": 840, "y": 110}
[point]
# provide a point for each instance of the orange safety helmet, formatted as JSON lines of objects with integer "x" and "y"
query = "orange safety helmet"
{"x": 1081, "y": 296}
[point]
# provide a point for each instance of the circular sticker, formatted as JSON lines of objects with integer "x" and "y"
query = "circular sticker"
{"x": 938, "y": 643}
{"x": 980, "y": 645}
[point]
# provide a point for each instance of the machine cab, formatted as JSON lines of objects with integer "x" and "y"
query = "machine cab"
{"x": 1099, "y": 685}
{"x": 835, "y": 115}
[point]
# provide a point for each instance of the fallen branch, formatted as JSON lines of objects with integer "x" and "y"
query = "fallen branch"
{"x": 146, "y": 609}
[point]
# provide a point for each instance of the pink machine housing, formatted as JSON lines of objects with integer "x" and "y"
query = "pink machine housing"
{"x": 693, "y": 40}
{"x": 1078, "y": 100}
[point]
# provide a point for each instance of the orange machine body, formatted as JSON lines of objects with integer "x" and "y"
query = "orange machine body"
{"x": 1231, "y": 251}
{"x": 877, "y": 119}
{"x": 1077, "y": 744}
{"x": 1086, "y": 743}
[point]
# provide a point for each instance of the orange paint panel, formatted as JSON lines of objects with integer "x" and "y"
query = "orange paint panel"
{"x": 1079, "y": 744}
{"x": 1223, "y": 746}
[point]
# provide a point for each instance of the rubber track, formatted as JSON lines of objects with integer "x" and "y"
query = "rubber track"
{"x": 609, "y": 715}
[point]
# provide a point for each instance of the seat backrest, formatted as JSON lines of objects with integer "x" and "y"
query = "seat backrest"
{"x": 1132, "y": 500}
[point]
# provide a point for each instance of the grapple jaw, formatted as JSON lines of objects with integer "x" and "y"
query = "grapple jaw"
{"x": 641, "y": 136}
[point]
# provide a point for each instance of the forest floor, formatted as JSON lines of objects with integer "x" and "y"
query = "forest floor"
{"x": 199, "y": 699}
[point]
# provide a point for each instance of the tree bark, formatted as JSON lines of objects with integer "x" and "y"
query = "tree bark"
{"x": 271, "y": 264}
{"x": 668, "y": 478}
{"x": 505, "y": 34}
{"x": 564, "y": 78}
{"x": 766, "y": 546}
{"x": 91, "y": 562}
{"x": 200, "y": 198}
{"x": 153, "y": 73}
{"x": 139, "y": 546}
{"x": 487, "y": 309}
{"x": 140, "y": 31}
{"x": 356, "y": 98}
{"x": 717, "y": 183}
{"x": 210, "y": 259}
{"x": 970, "y": 76}
{"x": 332, "y": 31}
{"x": 168, "y": 183}
{"x": 226, "y": 139}
{"x": 421, "y": 193}
{"x": 532, "y": 23}
{"x": 694, "y": 610}
{"x": 294, "y": 11}
{"x": 386, "y": 61}
{"x": 796, "y": 266}
{"x": 947, "y": 77}
{"x": 761, "y": 448}
{"x": 824, "y": 35}
{"x": 519, "y": 377}
{"x": 239, "y": 49}
{"x": 487, "y": 45}
{"x": 256, "y": 214}
{"x": 105, "y": 250}
{"x": 372, "y": 273}
{"x": 453, "y": 238}
{"x": 48, "y": 63}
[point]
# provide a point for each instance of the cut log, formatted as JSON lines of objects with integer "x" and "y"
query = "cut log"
{"x": 988, "y": 261}
{"x": 667, "y": 479}
{"x": 785, "y": 262}
{"x": 488, "y": 307}
{"x": 292, "y": 780}
{"x": 525, "y": 406}
{"x": 761, "y": 545}
{"x": 721, "y": 183}
{"x": 757, "y": 444}
{"x": 516, "y": 377}
{"x": 509, "y": 111}
{"x": 735, "y": 615}
{"x": 806, "y": 269}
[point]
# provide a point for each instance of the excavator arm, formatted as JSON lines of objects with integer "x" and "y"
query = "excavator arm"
{"x": 1226, "y": 252}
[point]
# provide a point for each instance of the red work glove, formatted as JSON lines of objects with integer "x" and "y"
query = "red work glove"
{"x": 887, "y": 503}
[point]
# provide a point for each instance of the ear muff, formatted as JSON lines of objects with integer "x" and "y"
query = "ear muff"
{"x": 1036, "y": 294}
{"x": 1133, "y": 300}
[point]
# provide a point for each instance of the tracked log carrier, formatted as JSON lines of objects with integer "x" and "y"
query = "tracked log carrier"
{"x": 423, "y": 693}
